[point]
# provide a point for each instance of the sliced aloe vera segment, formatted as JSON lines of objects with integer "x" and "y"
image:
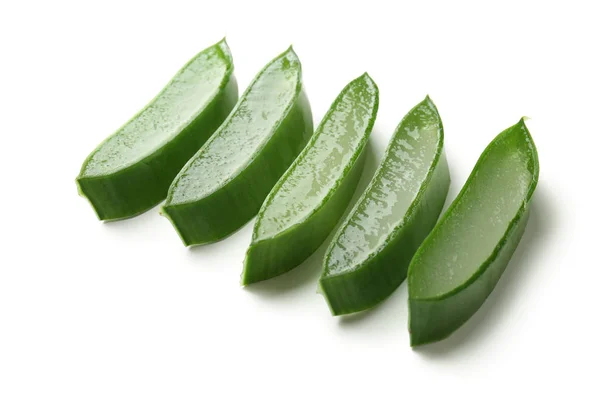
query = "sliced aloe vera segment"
{"x": 460, "y": 262}
{"x": 370, "y": 253}
{"x": 225, "y": 183}
{"x": 130, "y": 172}
{"x": 310, "y": 198}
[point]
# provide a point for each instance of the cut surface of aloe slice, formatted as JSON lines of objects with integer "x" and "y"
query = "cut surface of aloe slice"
{"x": 309, "y": 199}
{"x": 370, "y": 253}
{"x": 463, "y": 258}
{"x": 225, "y": 183}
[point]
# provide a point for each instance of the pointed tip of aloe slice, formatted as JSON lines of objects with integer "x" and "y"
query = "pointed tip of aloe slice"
{"x": 164, "y": 211}
{"x": 290, "y": 52}
{"x": 82, "y": 194}
{"x": 223, "y": 45}
{"x": 521, "y": 124}
{"x": 366, "y": 78}
{"x": 289, "y": 55}
{"x": 429, "y": 103}
{"x": 246, "y": 277}
{"x": 523, "y": 119}
{"x": 79, "y": 189}
{"x": 243, "y": 279}
{"x": 427, "y": 100}
{"x": 531, "y": 143}
{"x": 321, "y": 291}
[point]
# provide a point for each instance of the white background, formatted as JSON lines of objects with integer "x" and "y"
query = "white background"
{"x": 92, "y": 310}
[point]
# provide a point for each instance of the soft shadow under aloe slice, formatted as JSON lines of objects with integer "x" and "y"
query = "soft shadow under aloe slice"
{"x": 369, "y": 255}
{"x": 310, "y": 198}
{"x": 463, "y": 258}
{"x": 225, "y": 183}
{"x": 130, "y": 172}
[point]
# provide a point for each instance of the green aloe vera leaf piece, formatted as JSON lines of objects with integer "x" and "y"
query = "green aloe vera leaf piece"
{"x": 460, "y": 262}
{"x": 130, "y": 172}
{"x": 370, "y": 253}
{"x": 310, "y": 198}
{"x": 223, "y": 186}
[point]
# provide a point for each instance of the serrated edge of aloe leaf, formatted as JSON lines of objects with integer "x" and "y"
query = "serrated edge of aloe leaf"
{"x": 516, "y": 219}
{"x": 307, "y": 149}
{"x": 424, "y": 185}
{"x": 298, "y": 90}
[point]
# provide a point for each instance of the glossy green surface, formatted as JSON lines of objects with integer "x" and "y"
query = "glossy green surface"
{"x": 460, "y": 263}
{"x": 369, "y": 255}
{"x": 225, "y": 183}
{"x": 311, "y": 196}
{"x": 131, "y": 171}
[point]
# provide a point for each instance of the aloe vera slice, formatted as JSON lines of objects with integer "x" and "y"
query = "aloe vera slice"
{"x": 310, "y": 198}
{"x": 225, "y": 183}
{"x": 460, "y": 262}
{"x": 370, "y": 253}
{"x": 130, "y": 172}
